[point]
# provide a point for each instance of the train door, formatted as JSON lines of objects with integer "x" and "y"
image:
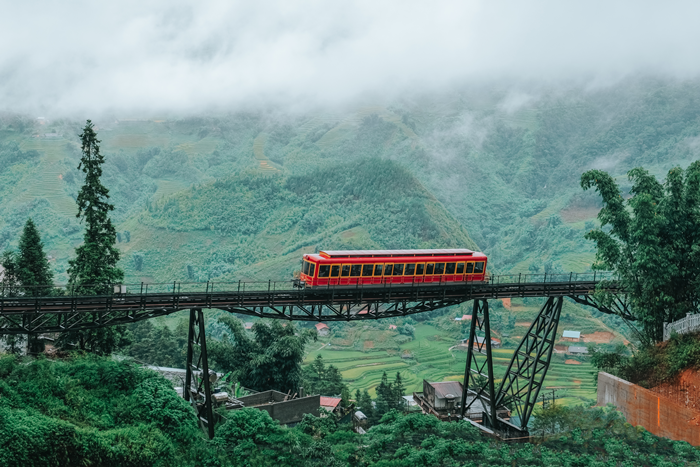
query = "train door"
{"x": 324, "y": 272}
{"x": 367, "y": 270}
{"x": 388, "y": 271}
{"x": 429, "y": 272}
{"x": 459, "y": 273}
{"x": 345, "y": 274}
{"x": 450, "y": 272}
{"x": 420, "y": 272}
{"x": 479, "y": 270}
{"x": 439, "y": 272}
{"x": 378, "y": 273}
{"x": 335, "y": 274}
{"x": 355, "y": 273}
{"x": 409, "y": 273}
{"x": 470, "y": 271}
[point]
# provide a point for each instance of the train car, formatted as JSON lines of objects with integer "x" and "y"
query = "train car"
{"x": 381, "y": 267}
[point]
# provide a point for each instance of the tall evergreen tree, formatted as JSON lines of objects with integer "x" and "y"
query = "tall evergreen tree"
{"x": 33, "y": 270}
{"x": 34, "y": 273}
{"x": 10, "y": 287}
{"x": 94, "y": 269}
{"x": 95, "y": 265}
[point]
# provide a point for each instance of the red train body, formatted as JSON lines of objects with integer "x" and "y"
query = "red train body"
{"x": 379, "y": 267}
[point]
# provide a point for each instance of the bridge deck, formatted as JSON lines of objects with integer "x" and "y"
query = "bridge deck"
{"x": 269, "y": 300}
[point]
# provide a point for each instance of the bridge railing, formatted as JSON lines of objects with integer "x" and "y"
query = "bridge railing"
{"x": 179, "y": 288}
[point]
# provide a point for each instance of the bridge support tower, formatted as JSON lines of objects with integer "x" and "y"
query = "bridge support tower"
{"x": 198, "y": 382}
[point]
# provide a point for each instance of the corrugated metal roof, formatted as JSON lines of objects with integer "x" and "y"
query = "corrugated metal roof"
{"x": 447, "y": 388}
{"x": 387, "y": 253}
{"x": 320, "y": 326}
{"x": 577, "y": 349}
{"x": 572, "y": 334}
{"x": 330, "y": 401}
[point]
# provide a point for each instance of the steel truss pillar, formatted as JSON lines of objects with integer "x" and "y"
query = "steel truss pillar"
{"x": 478, "y": 375}
{"x": 197, "y": 388}
{"x": 528, "y": 366}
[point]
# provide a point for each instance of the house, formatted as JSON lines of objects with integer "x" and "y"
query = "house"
{"x": 282, "y": 407}
{"x": 443, "y": 399}
{"x": 392, "y": 327}
{"x": 577, "y": 350}
{"x": 572, "y": 336}
{"x": 322, "y": 329}
{"x": 495, "y": 343}
{"x": 248, "y": 325}
{"x": 359, "y": 422}
{"x": 466, "y": 317}
{"x": 331, "y": 404}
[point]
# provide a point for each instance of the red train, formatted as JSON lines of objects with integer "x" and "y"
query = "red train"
{"x": 378, "y": 267}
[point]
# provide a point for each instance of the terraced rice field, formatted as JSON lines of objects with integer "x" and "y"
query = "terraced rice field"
{"x": 433, "y": 360}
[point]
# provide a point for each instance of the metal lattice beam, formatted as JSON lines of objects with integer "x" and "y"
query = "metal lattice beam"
{"x": 478, "y": 374}
{"x": 197, "y": 388}
{"x": 528, "y": 366}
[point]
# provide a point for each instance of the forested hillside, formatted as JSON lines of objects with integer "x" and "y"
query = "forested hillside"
{"x": 242, "y": 195}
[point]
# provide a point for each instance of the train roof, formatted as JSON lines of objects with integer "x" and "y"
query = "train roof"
{"x": 390, "y": 253}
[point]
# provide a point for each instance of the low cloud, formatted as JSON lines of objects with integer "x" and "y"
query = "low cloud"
{"x": 129, "y": 56}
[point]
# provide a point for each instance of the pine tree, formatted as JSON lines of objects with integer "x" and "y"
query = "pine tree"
{"x": 94, "y": 269}
{"x": 33, "y": 270}
{"x": 34, "y": 273}
{"x": 398, "y": 401}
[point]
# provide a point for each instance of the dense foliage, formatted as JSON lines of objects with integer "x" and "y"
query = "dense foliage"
{"x": 652, "y": 241}
{"x": 91, "y": 411}
{"x": 270, "y": 360}
{"x": 651, "y": 365}
{"x": 322, "y": 379}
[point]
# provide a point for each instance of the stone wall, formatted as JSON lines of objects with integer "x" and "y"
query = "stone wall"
{"x": 656, "y": 414}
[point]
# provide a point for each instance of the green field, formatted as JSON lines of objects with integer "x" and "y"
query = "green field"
{"x": 434, "y": 361}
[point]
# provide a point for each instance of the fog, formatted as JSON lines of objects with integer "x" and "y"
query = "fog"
{"x": 74, "y": 58}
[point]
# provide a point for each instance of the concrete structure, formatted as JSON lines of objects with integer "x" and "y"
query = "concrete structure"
{"x": 655, "y": 413}
{"x": 577, "y": 350}
{"x": 443, "y": 399}
{"x": 571, "y": 336}
{"x": 322, "y": 329}
{"x": 280, "y": 408}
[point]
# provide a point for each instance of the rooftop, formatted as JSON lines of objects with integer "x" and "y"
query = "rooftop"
{"x": 444, "y": 389}
{"x": 372, "y": 253}
{"x": 572, "y": 334}
{"x": 577, "y": 349}
{"x": 330, "y": 402}
{"x": 320, "y": 326}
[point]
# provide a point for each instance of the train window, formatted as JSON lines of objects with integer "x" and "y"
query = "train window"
{"x": 420, "y": 269}
{"x": 312, "y": 268}
{"x": 460, "y": 268}
{"x": 410, "y": 270}
{"x": 388, "y": 268}
{"x": 367, "y": 269}
{"x": 356, "y": 270}
{"x": 470, "y": 268}
{"x": 479, "y": 267}
{"x": 398, "y": 269}
{"x": 439, "y": 268}
{"x": 429, "y": 269}
{"x": 378, "y": 269}
{"x": 305, "y": 268}
{"x": 345, "y": 270}
{"x": 324, "y": 270}
{"x": 450, "y": 268}
{"x": 335, "y": 270}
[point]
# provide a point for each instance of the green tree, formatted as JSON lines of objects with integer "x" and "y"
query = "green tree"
{"x": 33, "y": 270}
{"x": 652, "y": 241}
{"x": 94, "y": 268}
{"x": 319, "y": 379}
{"x": 11, "y": 287}
{"x": 270, "y": 360}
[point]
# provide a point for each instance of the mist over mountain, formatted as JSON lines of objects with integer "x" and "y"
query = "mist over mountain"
{"x": 86, "y": 59}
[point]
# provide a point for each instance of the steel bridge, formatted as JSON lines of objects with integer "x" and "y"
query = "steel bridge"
{"x": 60, "y": 309}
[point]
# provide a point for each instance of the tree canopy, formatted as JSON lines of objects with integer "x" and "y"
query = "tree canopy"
{"x": 652, "y": 240}
{"x": 270, "y": 360}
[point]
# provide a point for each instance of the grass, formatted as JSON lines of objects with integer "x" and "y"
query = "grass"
{"x": 432, "y": 360}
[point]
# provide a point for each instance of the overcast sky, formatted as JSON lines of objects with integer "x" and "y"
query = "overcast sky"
{"x": 75, "y": 57}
